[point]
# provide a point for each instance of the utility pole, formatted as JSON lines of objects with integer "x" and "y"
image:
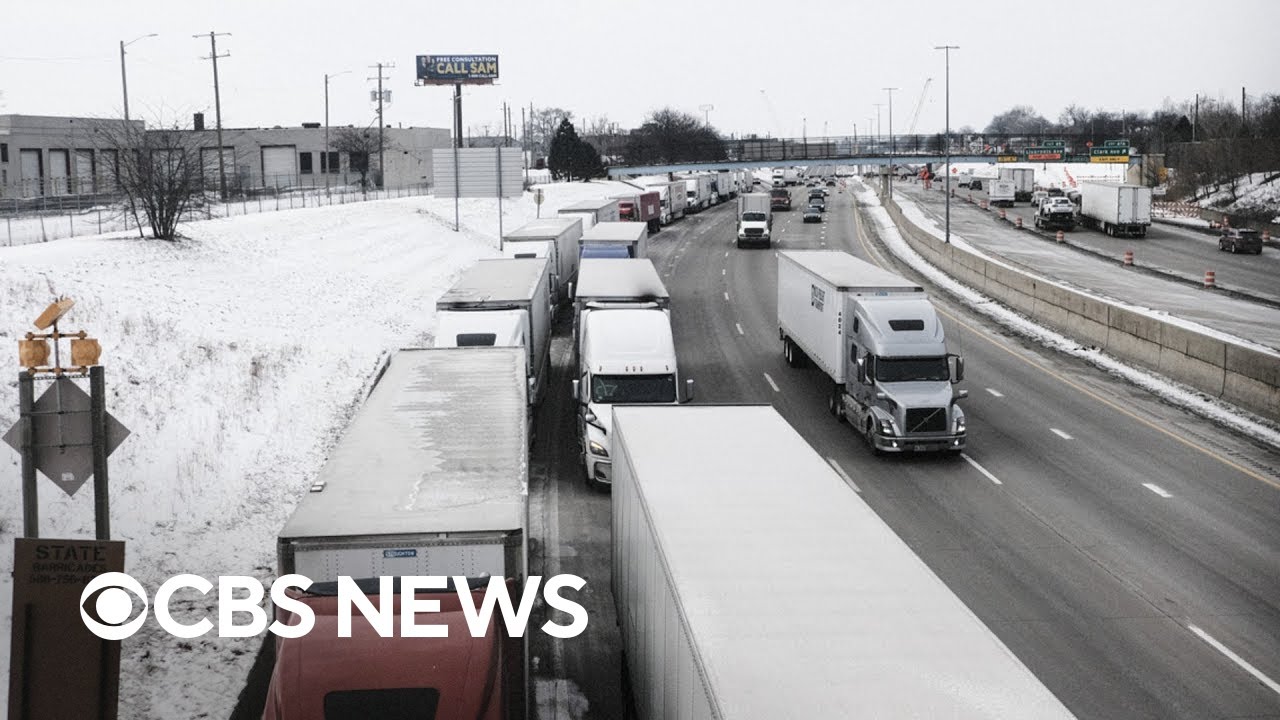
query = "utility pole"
{"x": 124, "y": 80}
{"x": 946, "y": 189}
{"x": 1242, "y": 118}
{"x": 1195, "y": 118}
{"x": 217, "y": 109}
{"x": 382, "y": 127}
{"x": 892, "y": 147}
{"x": 324, "y": 161}
{"x": 879, "y": 135}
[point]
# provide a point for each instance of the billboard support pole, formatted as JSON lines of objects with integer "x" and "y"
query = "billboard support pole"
{"x": 457, "y": 140}
{"x": 498, "y": 155}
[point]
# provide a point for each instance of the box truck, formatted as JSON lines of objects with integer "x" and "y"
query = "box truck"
{"x": 1001, "y": 193}
{"x": 722, "y": 186}
{"x": 1024, "y": 181}
{"x": 624, "y": 352}
{"x": 752, "y": 583}
{"x": 429, "y": 478}
{"x": 755, "y": 220}
{"x": 502, "y": 303}
{"x": 615, "y": 240}
{"x": 673, "y": 198}
{"x": 879, "y": 341}
{"x": 698, "y": 192}
{"x": 563, "y": 234}
{"x": 1115, "y": 209}
{"x": 644, "y": 207}
{"x": 592, "y": 211}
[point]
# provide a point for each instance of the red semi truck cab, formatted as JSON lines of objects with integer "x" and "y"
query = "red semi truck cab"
{"x": 321, "y": 676}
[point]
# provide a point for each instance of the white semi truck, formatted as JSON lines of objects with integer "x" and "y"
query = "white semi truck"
{"x": 881, "y": 345}
{"x": 615, "y": 240}
{"x": 673, "y": 197}
{"x": 562, "y": 233}
{"x": 503, "y": 303}
{"x": 1115, "y": 209}
{"x": 1024, "y": 181}
{"x": 755, "y": 220}
{"x": 624, "y": 352}
{"x": 1001, "y": 192}
{"x": 751, "y": 582}
{"x": 698, "y": 192}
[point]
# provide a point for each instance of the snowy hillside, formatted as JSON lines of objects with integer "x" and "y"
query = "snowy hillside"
{"x": 236, "y": 358}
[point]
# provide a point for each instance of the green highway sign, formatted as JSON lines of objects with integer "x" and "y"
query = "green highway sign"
{"x": 1077, "y": 158}
{"x": 1055, "y": 143}
{"x": 1116, "y": 143}
{"x": 1109, "y": 151}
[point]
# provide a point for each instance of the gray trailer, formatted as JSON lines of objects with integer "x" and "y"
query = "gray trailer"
{"x": 879, "y": 341}
{"x": 505, "y": 303}
{"x": 752, "y": 583}
{"x": 1024, "y": 181}
{"x": 592, "y": 211}
{"x": 615, "y": 240}
{"x": 429, "y": 478}
{"x": 563, "y": 234}
{"x": 1116, "y": 209}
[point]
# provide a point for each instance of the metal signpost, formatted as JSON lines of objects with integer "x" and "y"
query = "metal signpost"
{"x": 57, "y": 667}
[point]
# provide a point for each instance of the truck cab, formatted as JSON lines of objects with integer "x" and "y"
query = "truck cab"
{"x": 899, "y": 393}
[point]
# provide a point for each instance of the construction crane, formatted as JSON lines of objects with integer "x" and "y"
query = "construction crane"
{"x": 915, "y": 118}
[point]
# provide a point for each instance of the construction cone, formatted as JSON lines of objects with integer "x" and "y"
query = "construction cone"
{"x": 1210, "y": 281}
{"x": 1002, "y": 215}
{"x": 1128, "y": 257}
{"x": 1019, "y": 223}
{"x": 1061, "y": 238}
{"x": 983, "y": 204}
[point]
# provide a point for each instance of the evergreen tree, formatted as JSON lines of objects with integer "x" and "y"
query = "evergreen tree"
{"x": 564, "y": 146}
{"x": 586, "y": 162}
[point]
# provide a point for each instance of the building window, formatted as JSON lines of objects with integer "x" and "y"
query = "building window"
{"x": 4, "y": 152}
{"x": 304, "y": 163}
{"x": 329, "y": 162}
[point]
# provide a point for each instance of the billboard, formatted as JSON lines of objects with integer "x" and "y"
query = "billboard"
{"x": 452, "y": 69}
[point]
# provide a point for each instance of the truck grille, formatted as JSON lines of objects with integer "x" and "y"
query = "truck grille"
{"x": 753, "y": 232}
{"x": 926, "y": 420}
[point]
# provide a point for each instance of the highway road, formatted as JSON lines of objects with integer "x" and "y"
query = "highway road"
{"x": 1179, "y": 251}
{"x": 1108, "y": 278}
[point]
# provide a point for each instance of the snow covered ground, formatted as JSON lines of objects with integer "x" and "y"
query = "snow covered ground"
{"x": 1059, "y": 175}
{"x": 1253, "y": 194}
{"x": 236, "y": 358}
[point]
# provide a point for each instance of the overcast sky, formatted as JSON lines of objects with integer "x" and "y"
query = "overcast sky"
{"x": 777, "y": 68}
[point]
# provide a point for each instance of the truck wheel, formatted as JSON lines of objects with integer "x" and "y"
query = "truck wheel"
{"x": 835, "y": 403}
{"x": 786, "y": 352}
{"x": 869, "y": 433}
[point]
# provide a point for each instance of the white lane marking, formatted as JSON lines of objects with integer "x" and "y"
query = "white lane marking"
{"x": 772, "y": 384}
{"x": 1060, "y": 434}
{"x": 843, "y": 475}
{"x": 739, "y": 326}
{"x": 726, "y": 296}
{"x": 1157, "y": 490}
{"x": 723, "y": 271}
{"x": 1275, "y": 687}
{"x": 726, "y": 253}
{"x": 995, "y": 393}
{"x": 981, "y": 469}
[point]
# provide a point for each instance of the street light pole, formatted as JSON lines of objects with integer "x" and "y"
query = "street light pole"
{"x": 124, "y": 79}
{"x": 946, "y": 190}
{"x": 325, "y": 166}
{"x": 892, "y": 146}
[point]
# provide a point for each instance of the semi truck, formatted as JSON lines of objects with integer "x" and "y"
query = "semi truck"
{"x": 592, "y": 211}
{"x": 755, "y": 220}
{"x": 615, "y": 240}
{"x": 1115, "y": 209}
{"x": 1024, "y": 181}
{"x": 673, "y": 198}
{"x": 697, "y": 192}
{"x": 752, "y": 582}
{"x": 722, "y": 186}
{"x": 790, "y": 176}
{"x": 503, "y": 303}
{"x": 1001, "y": 192}
{"x": 624, "y": 352}
{"x": 562, "y": 233}
{"x": 645, "y": 207}
{"x": 879, "y": 341}
{"x": 410, "y": 489}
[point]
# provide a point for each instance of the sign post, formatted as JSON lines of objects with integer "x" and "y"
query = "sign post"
{"x": 457, "y": 70}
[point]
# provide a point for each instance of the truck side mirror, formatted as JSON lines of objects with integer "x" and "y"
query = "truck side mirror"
{"x": 958, "y": 374}
{"x": 688, "y": 391}
{"x": 575, "y": 390}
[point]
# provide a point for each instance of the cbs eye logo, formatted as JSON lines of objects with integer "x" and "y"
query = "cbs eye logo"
{"x": 105, "y": 606}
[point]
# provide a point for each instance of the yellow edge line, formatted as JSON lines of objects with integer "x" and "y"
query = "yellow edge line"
{"x": 1085, "y": 391}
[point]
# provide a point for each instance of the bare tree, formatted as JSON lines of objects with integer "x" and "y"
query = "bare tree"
{"x": 360, "y": 144}
{"x": 159, "y": 172}
{"x": 543, "y": 127}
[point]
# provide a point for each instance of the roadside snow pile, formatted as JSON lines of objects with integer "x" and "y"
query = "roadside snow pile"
{"x": 1193, "y": 400}
{"x": 236, "y": 358}
{"x": 1255, "y": 195}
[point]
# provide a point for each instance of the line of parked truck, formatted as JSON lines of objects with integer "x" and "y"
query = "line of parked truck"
{"x": 1117, "y": 209}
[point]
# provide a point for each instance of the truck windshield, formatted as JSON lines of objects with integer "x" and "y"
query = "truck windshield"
{"x": 912, "y": 369}
{"x": 753, "y": 217}
{"x": 633, "y": 388}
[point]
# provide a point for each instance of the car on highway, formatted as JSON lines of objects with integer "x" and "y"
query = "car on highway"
{"x": 1237, "y": 240}
{"x": 819, "y": 203}
{"x": 812, "y": 214}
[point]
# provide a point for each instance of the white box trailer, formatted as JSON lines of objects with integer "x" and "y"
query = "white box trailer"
{"x": 672, "y": 196}
{"x": 429, "y": 478}
{"x": 722, "y": 186}
{"x": 615, "y": 240}
{"x": 698, "y": 192}
{"x": 1116, "y": 209}
{"x": 504, "y": 303}
{"x": 563, "y": 233}
{"x": 1024, "y": 181}
{"x": 752, "y": 583}
{"x": 592, "y": 211}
